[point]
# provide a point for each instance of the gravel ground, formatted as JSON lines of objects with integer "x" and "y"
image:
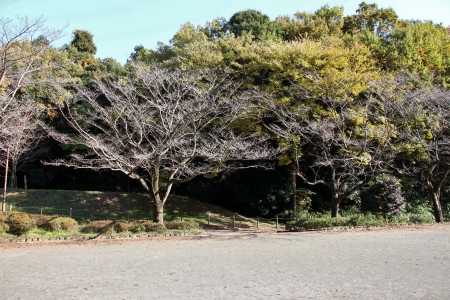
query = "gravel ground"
{"x": 402, "y": 263}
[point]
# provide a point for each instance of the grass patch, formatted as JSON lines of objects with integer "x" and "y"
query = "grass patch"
{"x": 88, "y": 206}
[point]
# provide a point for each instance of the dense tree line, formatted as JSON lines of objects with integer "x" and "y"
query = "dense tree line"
{"x": 326, "y": 100}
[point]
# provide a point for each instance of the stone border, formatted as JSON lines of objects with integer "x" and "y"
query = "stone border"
{"x": 93, "y": 237}
{"x": 201, "y": 235}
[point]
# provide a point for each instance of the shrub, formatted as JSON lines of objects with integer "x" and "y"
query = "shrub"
{"x": 60, "y": 224}
{"x": 3, "y": 217}
{"x": 68, "y": 224}
{"x": 87, "y": 228}
{"x": 182, "y": 225}
{"x": 3, "y": 227}
{"x": 20, "y": 223}
{"x": 316, "y": 223}
{"x": 422, "y": 218}
{"x": 366, "y": 220}
{"x": 136, "y": 227}
{"x": 122, "y": 227}
{"x": 42, "y": 220}
{"x": 103, "y": 226}
{"x": 400, "y": 218}
{"x": 153, "y": 227}
{"x": 326, "y": 222}
{"x": 383, "y": 197}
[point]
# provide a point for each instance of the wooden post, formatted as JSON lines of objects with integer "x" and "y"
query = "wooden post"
{"x": 181, "y": 217}
{"x": 6, "y": 179}
{"x": 41, "y": 210}
{"x": 10, "y": 207}
{"x": 234, "y": 220}
{"x": 257, "y": 222}
{"x": 25, "y": 181}
{"x": 70, "y": 212}
{"x": 276, "y": 220}
{"x": 209, "y": 219}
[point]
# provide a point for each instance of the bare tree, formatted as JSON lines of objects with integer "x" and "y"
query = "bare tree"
{"x": 23, "y": 135}
{"x": 25, "y": 60}
{"x": 162, "y": 126}
{"x": 421, "y": 114}
{"x": 342, "y": 149}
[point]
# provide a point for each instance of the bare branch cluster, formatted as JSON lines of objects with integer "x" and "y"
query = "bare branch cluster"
{"x": 162, "y": 121}
{"x": 24, "y": 61}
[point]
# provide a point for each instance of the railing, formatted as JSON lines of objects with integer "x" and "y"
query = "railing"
{"x": 82, "y": 215}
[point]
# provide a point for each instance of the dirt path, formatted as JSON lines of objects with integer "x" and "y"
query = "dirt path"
{"x": 405, "y": 263}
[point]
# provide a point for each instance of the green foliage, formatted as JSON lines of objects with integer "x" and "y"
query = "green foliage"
{"x": 420, "y": 214}
{"x": 83, "y": 41}
{"x": 383, "y": 196}
{"x": 20, "y": 223}
{"x": 4, "y": 227}
{"x": 352, "y": 218}
{"x": 182, "y": 225}
{"x": 316, "y": 223}
{"x": 326, "y": 21}
{"x": 303, "y": 198}
{"x": 87, "y": 229}
{"x": 421, "y": 48}
{"x": 370, "y": 18}
{"x": 254, "y": 22}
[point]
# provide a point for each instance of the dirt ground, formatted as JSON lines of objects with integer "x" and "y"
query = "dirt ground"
{"x": 401, "y": 263}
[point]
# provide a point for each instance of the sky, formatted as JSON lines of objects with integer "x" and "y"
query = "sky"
{"x": 120, "y": 25}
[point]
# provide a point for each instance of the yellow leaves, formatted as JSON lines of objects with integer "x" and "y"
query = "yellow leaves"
{"x": 427, "y": 135}
{"x": 284, "y": 101}
{"x": 365, "y": 158}
{"x": 4, "y": 84}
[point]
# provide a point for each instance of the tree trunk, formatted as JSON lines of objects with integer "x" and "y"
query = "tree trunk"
{"x": 437, "y": 208}
{"x": 294, "y": 188}
{"x": 13, "y": 178}
{"x": 335, "y": 207}
{"x": 158, "y": 212}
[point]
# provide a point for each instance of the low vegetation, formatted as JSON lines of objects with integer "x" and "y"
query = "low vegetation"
{"x": 359, "y": 220}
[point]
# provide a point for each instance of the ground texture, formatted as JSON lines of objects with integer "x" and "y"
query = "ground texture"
{"x": 402, "y": 263}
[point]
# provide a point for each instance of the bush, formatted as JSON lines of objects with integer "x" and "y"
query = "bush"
{"x": 42, "y": 220}
{"x": 366, "y": 220}
{"x": 60, "y": 224}
{"x": 68, "y": 224}
{"x": 122, "y": 227}
{"x": 153, "y": 227}
{"x": 3, "y": 227}
{"x": 103, "y": 226}
{"x": 20, "y": 223}
{"x": 383, "y": 197}
{"x": 316, "y": 223}
{"x": 87, "y": 228}
{"x": 3, "y": 217}
{"x": 423, "y": 218}
{"x": 182, "y": 225}
{"x": 327, "y": 222}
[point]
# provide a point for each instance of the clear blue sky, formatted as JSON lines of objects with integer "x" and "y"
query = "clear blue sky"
{"x": 119, "y": 25}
